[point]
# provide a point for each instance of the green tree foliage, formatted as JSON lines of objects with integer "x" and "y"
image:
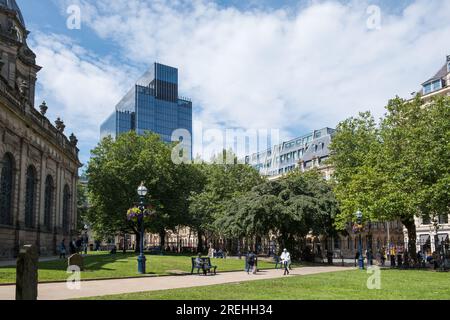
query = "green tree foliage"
{"x": 117, "y": 168}
{"x": 223, "y": 181}
{"x": 289, "y": 208}
{"x": 398, "y": 169}
{"x": 82, "y": 206}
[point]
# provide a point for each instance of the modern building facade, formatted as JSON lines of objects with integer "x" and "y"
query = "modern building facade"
{"x": 38, "y": 163}
{"x": 305, "y": 152}
{"x": 153, "y": 104}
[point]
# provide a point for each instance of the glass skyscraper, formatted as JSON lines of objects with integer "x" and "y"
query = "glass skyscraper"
{"x": 152, "y": 105}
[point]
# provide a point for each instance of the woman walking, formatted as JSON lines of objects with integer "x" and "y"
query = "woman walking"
{"x": 286, "y": 260}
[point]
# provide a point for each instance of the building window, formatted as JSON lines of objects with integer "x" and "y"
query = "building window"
{"x": 432, "y": 86}
{"x": 6, "y": 190}
{"x": 426, "y": 220}
{"x": 337, "y": 244}
{"x": 48, "y": 201}
{"x": 443, "y": 219}
{"x": 30, "y": 196}
{"x": 427, "y": 88}
{"x": 66, "y": 208}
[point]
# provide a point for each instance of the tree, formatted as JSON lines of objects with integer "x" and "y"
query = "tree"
{"x": 290, "y": 208}
{"x": 222, "y": 182}
{"x": 82, "y": 206}
{"x": 398, "y": 169}
{"x": 117, "y": 168}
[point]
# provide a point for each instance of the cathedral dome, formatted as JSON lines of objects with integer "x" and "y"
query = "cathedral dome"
{"x": 12, "y": 6}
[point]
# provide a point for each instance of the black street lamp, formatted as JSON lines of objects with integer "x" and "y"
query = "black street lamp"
{"x": 438, "y": 244}
{"x": 142, "y": 192}
{"x": 361, "y": 258}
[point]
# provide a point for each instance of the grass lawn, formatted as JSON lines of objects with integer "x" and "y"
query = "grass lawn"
{"x": 102, "y": 265}
{"x": 346, "y": 285}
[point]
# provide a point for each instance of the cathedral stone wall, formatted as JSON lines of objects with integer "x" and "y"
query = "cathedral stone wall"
{"x": 38, "y": 163}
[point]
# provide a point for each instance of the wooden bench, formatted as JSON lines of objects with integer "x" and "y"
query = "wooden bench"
{"x": 206, "y": 264}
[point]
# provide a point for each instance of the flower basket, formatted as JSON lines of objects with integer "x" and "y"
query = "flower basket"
{"x": 135, "y": 213}
{"x": 357, "y": 228}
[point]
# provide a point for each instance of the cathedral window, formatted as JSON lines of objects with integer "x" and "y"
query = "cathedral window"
{"x": 66, "y": 208}
{"x": 30, "y": 197}
{"x": 48, "y": 202}
{"x": 6, "y": 190}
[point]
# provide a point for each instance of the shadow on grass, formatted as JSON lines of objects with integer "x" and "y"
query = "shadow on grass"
{"x": 91, "y": 262}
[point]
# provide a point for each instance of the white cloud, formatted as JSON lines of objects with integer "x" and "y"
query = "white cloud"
{"x": 78, "y": 86}
{"x": 299, "y": 70}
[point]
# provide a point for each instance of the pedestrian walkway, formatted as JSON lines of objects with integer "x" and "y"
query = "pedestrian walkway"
{"x": 59, "y": 291}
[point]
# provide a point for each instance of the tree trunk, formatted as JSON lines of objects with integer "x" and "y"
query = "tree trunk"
{"x": 124, "y": 249}
{"x": 200, "y": 242}
{"x": 410, "y": 225}
{"x": 162, "y": 239}
{"x": 137, "y": 247}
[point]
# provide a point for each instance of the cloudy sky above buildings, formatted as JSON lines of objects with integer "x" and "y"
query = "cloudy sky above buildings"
{"x": 288, "y": 65}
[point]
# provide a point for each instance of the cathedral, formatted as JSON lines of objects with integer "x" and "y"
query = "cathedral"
{"x": 38, "y": 162}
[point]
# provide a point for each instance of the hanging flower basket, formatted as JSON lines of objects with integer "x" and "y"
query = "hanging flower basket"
{"x": 135, "y": 213}
{"x": 357, "y": 228}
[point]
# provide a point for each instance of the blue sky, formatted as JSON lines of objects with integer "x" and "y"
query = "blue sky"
{"x": 288, "y": 65}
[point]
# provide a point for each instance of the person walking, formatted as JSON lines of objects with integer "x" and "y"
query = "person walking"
{"x": 251, "y": 258}
{"x": 286, "y": 261}
{"x": 62, "y": 249}
{"x": 72, "y": 247}
{"x": 383, "y": 257}
{"x": 85, "y": 243}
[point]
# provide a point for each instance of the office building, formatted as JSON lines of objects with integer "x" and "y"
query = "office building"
{"x": 153, "y": 104}
{"x": 305, "y": 152}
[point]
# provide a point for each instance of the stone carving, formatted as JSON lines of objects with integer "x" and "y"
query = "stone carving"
{"x": 43, "y": 107}
{"x": 23, "y": 87}
{"x": 60, "y": 125}
{"x": 73, "y": 140}
{"x": 27, "y": 273}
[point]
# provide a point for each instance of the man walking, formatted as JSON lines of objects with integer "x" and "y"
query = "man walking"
{"x": 286, "y": 260}
{"x": 251, "y": 258}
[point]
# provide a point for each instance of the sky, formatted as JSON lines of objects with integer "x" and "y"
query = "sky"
{"x": 289, "y": 65}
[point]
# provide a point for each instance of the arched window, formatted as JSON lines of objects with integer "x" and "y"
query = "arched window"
{"x": 30, "y": 197}
{"x": 6, "y": 190}
{"x": 66, "y": 208}
{"x": 48, "y": 202}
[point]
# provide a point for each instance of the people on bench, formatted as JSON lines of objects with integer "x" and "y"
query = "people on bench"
{"x": 204, "y": 264}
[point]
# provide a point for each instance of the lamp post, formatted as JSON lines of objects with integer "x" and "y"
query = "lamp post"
{"x": 439, "y": 244}
{"x": 361, "y": 258}
{"x": 142, "y": 192}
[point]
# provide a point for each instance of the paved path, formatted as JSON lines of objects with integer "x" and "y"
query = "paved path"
{"x": 59, "y": 291}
